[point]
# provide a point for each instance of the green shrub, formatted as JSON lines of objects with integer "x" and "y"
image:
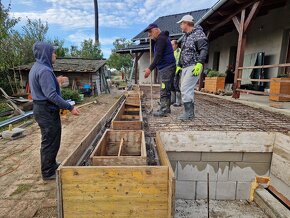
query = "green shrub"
{"x": 71, "y": 94}
{"x": 214, "y": 73}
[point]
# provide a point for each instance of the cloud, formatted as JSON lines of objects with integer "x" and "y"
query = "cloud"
{"x": 79, "y": 36}
{"x": 75, "y": 14}
{"x": 26, "y": 2}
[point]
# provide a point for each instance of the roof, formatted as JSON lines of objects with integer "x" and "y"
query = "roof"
{"x": 169, "y": 23}
{"x": 71, "y": 65}
{"x": 134, "y": 48}
{"x": 218, "y": 20}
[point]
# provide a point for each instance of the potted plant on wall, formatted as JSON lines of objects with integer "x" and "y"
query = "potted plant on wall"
{"x": 214, "y": 81}
{"x": 280, "y": 86}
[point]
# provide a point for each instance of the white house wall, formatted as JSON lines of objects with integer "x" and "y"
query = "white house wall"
{"x": 265, "y": 35}
{"x": 143, "y": 63}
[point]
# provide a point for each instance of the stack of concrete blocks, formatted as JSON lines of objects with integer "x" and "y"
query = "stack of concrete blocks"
{"x": 232, "y": 159}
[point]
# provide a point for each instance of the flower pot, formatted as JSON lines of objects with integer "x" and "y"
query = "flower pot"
{"x": 213, "y": 84}
{"x": 279, "y": 86}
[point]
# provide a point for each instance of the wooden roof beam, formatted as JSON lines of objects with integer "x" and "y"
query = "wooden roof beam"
{"x": 229, "y": 18}
{"x": 254, "y": 11}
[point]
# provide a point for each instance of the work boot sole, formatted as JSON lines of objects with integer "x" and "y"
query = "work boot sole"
{"x": 53, "y": 177}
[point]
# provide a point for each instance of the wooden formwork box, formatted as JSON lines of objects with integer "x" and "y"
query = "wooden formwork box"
{"x": 115, "y": 191}
{"x": 118, "y": 147}
{"x": 129, "y": 116}
{"x": 213, "y": 84}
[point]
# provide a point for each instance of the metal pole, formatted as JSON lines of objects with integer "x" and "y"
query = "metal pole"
{"x": 208, "y": 195}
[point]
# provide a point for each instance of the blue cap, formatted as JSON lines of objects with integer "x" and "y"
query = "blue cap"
{"x": 150, "y": 26}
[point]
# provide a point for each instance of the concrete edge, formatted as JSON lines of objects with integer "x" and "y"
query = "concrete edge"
{"x": 270, "y": 205}
{"x": 251, "y": 104}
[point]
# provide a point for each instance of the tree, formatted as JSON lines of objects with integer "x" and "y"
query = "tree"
{"x": 60, "y": 50}
{"x": 33, "y": 31}
{"x": 90, "y": 50}
{"x": 16, "y": 47}
{"x": 7, "y": 47}
{"x": 120, "y": 61}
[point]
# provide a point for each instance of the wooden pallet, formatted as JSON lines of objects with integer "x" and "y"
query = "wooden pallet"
{"x": 120, "y": 148}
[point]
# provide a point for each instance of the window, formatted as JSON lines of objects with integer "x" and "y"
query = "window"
{"x": 216, "y": 61}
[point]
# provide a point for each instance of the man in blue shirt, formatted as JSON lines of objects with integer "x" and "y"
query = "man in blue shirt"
{"x": 47, "y": 102}
{"x": 164, "y": 61}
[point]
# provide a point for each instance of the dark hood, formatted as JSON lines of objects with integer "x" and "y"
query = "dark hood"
{"x": 43, "y": 53}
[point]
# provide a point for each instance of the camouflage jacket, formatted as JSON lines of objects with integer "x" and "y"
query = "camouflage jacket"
{"x": 194, "y": 47}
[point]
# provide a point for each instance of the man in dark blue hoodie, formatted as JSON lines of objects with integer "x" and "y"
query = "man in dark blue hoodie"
{"x": 47, "y": 102}
{"x": 165, "y": 62}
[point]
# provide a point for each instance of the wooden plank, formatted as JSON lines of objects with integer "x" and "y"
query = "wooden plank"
{"x": 265, "y": 66}
{"x": 171, "y": 177}
{"x": 99, "y": 191}
{"x": 134, "y": 104}
{"x": 279, "y": 195}
{"x": 121, "y": 146}
{"x": 119, "y": 161}
{"x": 132, "y": 109}
{"x": 130, "y": 117}
{"x": 127, "y": 125}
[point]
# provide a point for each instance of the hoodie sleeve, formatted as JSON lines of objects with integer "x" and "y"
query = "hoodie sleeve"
{"x": 48, "y": 88}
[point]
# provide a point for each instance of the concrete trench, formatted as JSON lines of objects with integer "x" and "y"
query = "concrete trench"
{"x": 232, "y": 142}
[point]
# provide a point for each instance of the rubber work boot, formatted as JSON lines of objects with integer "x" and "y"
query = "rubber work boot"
{"x": 164, "y": 108}
{"x": 188, "y": 112}
{"x": 173, "y": 97}
{"x": 52, "y": 177}
{"x": 178, "y": 100}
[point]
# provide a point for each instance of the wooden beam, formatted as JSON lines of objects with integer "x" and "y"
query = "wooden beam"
{"x": 237, "y": 23}
{"x": 254, "y": 11}
{"x": 226, "y": 20}
{"x": 240, "y": 55}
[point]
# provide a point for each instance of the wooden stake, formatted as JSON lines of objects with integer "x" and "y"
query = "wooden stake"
{"x": 121, "y": 146}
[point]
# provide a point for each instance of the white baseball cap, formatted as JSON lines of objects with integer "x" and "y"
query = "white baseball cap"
{"x": 187, "y": 18}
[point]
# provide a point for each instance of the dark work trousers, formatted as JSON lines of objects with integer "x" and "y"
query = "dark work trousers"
{"x": 166, "y": 78}
{"x": 48, "y": 118}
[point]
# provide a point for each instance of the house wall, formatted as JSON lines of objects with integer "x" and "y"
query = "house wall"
{"x": 143, "y": 63}
{"x": 265, "y": 35}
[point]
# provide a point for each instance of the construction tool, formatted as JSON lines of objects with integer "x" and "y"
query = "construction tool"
{"x": 13, "y": 133}
{"x": 150, "y": 60}
{"x": 64, "y": 112}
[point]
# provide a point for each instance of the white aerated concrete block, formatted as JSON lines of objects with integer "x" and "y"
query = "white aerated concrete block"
{"x": 185, "y": 190}
{"x": 226, "y": 191}
{"x": 197, "y": 171}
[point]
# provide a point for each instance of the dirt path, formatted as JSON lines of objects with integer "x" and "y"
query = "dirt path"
{"x": 22, "y": 191}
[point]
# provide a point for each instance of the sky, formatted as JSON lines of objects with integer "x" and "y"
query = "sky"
{"x": 73, "y": 20}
